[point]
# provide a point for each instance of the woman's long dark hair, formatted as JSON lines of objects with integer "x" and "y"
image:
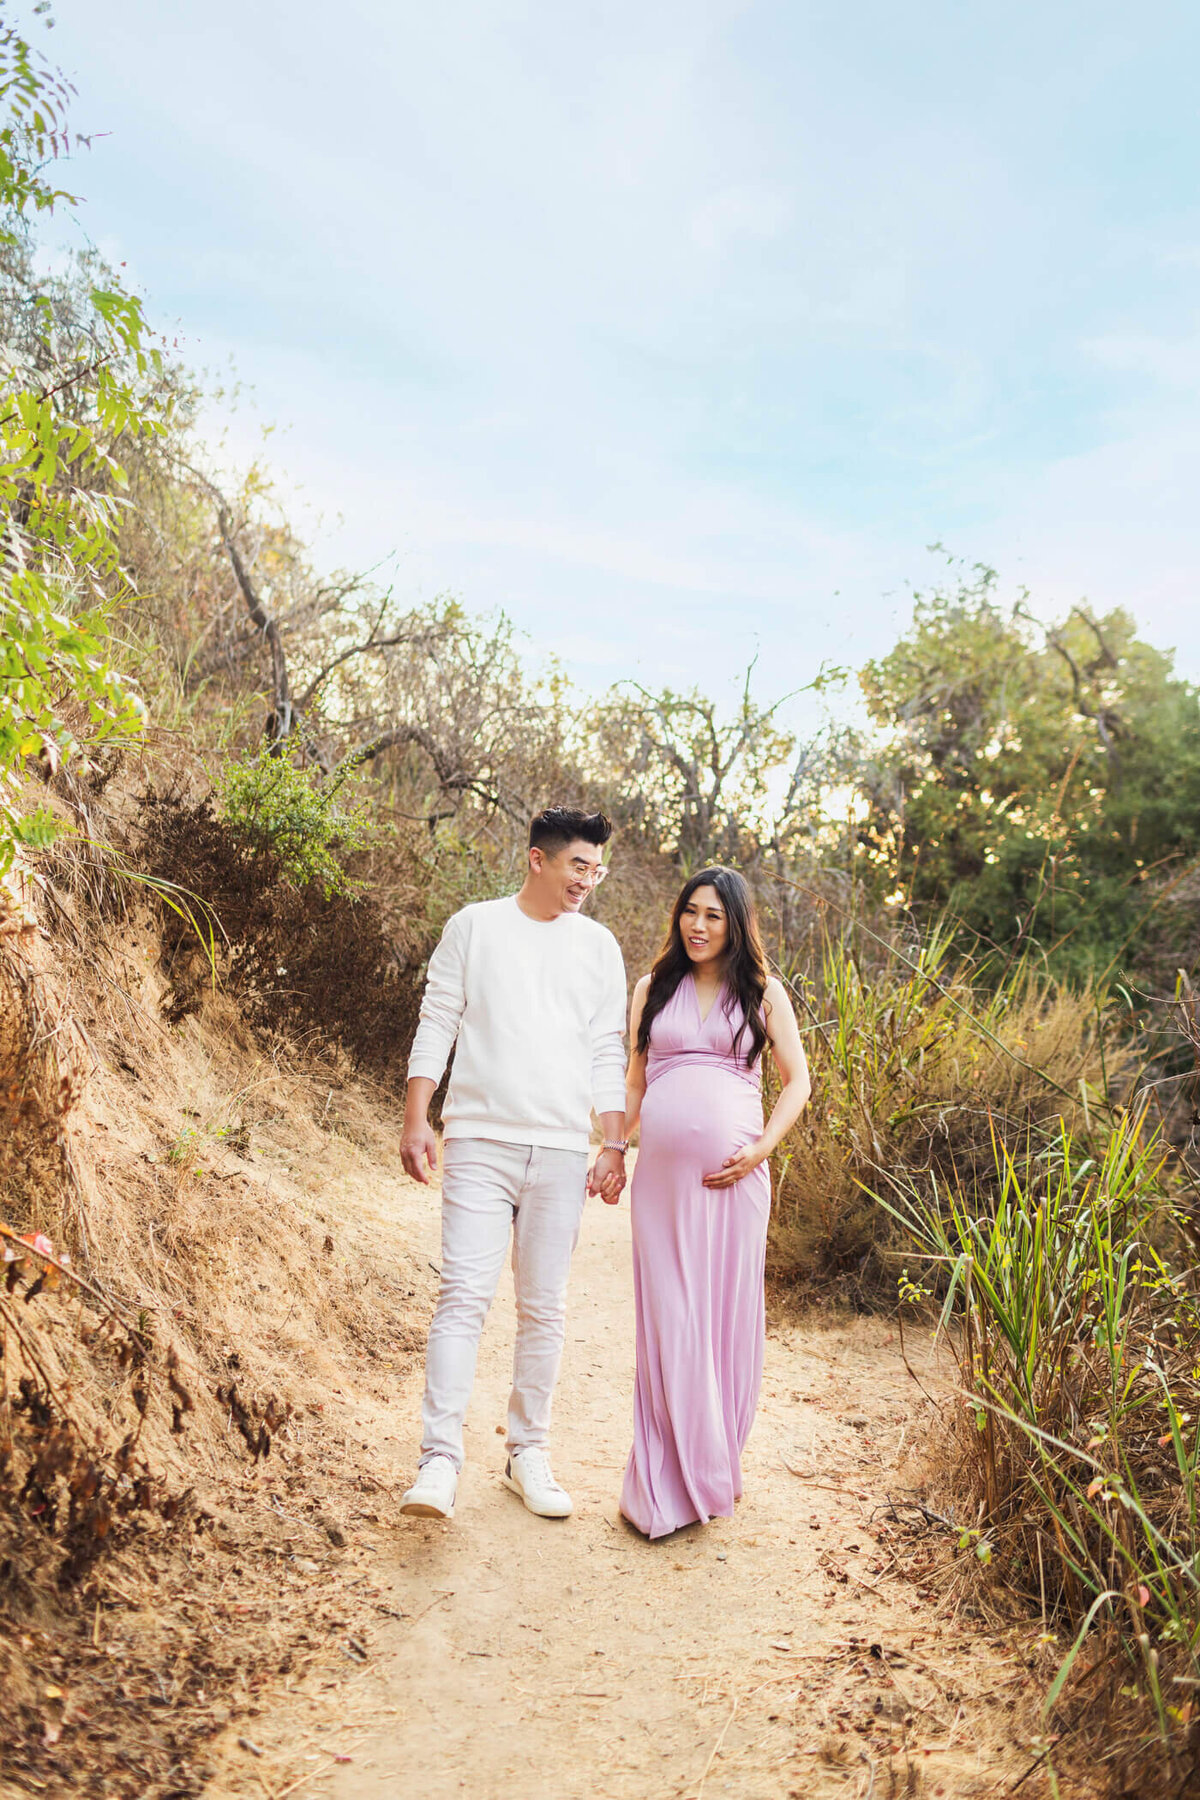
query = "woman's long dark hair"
{"x": 745, "y": 963}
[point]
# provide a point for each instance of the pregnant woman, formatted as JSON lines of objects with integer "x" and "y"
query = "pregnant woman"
{"x": 701, "y": 1198}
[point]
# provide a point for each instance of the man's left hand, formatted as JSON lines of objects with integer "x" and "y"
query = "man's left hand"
{"x": 607, "y": 1176}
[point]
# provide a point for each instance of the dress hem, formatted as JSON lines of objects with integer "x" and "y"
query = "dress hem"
{"x": 663, "y": 1531}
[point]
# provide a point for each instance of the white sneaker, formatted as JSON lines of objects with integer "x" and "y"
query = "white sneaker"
{"x": 432, "y": 1494}
{"x": 529, "y": 1474}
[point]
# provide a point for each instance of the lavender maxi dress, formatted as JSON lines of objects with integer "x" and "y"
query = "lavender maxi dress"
{"x": 698, "y": 1258}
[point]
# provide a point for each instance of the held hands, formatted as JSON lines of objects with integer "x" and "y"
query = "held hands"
{"x": 418, "y": 1152}
{"x": 736, "y": 1168}
{"x": 607, "y": 1176}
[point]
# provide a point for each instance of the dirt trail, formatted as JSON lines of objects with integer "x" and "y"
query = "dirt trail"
{"x": 774, "y": 1654}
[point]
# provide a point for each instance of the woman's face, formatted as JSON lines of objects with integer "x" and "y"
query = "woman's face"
{"x": 704, "y": 927}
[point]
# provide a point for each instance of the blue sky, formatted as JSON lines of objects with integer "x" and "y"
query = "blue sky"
{"x": 680, "y": 329}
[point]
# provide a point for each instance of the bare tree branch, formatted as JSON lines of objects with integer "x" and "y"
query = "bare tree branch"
{"x": 407, "y": 635}
{"x": 451, "y": 778}
{"x": 392, "y": 740}
{"x": 279, "y": 725}
{"x": 1099, "y": 715}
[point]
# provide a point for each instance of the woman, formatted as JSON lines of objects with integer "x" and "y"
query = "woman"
{"x": 701, "y": 1196}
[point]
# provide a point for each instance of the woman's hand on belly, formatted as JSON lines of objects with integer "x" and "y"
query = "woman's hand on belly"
{"x": 735, "y": 1168}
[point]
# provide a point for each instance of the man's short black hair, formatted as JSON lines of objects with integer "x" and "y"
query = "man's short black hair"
{"x": 557, "y": 826}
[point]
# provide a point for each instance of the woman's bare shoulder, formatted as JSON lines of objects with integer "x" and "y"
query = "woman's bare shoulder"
{"x": 775, "y": 993}
{"x": 642, "y": 988}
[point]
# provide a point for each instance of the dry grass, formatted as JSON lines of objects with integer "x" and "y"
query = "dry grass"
{"x": 914, "y": 1068}
{"x": 218, "y": 1184}
{"x": 42, "y": 1063}
{"x": 635, "y": 903}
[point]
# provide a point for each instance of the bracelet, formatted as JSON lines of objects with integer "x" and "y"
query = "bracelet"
{"x": 616, "y": 1144}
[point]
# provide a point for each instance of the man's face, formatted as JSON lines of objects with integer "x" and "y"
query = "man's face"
{"x": 567, "y": 877}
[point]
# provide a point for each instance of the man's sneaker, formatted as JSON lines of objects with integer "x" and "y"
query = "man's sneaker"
{"x": 432, "y": 1494}
{"x": 529, "y": 1474}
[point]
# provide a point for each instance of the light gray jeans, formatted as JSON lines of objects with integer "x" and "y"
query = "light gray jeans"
{"x": 490, "y": 1191}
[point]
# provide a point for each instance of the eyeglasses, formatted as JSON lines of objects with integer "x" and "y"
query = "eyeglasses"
{"x": 586, "y": 872}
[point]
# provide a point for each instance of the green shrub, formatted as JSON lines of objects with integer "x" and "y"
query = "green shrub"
{"x": 307, "y": 825}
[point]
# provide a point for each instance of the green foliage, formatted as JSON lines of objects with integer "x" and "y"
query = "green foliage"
{"x": 916, "y": 1061}
{"x": 185, "y": 1146}
{"x": 33, "y": 103}
{"x": 51, "y": 666}
{"x": 66, "y": 406}
{"x": 293, "y": 814}
{"x": 1038, "y": 782}
{"x": 1078, "y": 1349}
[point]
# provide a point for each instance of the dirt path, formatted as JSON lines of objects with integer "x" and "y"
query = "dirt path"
{"x": 774, "y": 1654}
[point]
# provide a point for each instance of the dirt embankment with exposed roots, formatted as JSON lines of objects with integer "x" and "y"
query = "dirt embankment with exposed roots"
{"x": 205, "y": 1314}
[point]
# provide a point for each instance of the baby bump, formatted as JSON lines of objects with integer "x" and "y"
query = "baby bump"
{"x": 699, "y": 1113}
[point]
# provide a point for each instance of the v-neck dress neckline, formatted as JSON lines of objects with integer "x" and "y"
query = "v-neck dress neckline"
{"x": 704, "y": 1017}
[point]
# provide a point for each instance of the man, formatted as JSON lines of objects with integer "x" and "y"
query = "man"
{"x": 531, "y": 996}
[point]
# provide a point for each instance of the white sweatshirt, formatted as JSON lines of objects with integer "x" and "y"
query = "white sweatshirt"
{"x": 538, "y": 1011}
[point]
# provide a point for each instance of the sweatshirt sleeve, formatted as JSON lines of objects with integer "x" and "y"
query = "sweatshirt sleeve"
{"x": 608, "y": 1034}
{"x": 442, "y": 1005}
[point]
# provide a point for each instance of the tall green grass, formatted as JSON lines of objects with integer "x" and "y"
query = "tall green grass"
{"x": 966, "y": 1144}
{"x": 1078, "y": 1448}
{"x": 915, "y": 1064}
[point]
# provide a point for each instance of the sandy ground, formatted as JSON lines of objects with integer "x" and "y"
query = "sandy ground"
{"x": 779, "y": 1653}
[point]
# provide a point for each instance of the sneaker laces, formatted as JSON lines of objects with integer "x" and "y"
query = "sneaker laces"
{"x": 536, "y": 1463}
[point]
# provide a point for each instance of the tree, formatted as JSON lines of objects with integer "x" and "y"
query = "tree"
{"x": 440, "y": 707}
{"x": 461, "y": 730}
{"x": 1041, "y": 782}
{"x": 74, "y": 390}
{"x": 703, "y": 787}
